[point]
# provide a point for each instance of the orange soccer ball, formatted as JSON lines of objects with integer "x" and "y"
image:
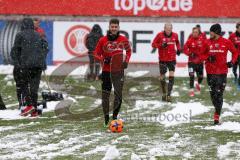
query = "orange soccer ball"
{"x": 116, "y": 126}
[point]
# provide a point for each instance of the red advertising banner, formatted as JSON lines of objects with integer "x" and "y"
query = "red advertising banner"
{"x": 153, "y": 8}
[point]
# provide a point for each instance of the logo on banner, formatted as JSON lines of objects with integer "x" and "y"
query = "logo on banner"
{"x": 137, "y": 6}
{"x": 75, "y": 40}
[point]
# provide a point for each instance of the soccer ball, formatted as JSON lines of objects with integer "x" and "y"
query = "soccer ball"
{"x": 116, "y": 126}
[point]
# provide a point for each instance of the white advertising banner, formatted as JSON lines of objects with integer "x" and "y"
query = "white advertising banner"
{"x": 69, "y": 38}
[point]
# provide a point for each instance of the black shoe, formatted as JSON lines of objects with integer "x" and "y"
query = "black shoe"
{"x": 106, "y": 117}
{"x": 3, "y": 107}
{"x": 216, "y": 122}
{"x": 114, "y": 117}
{"x": 169, "y": 99}
{"x": 164, "y": 98}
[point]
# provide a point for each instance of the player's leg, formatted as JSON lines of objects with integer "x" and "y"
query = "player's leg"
{"x": 106, "y": 90}
{"x": 35, "y": 75}
{"x": 191, "y": 78}
{"x": 199, "y": 71}
{"x": 163, "y": 71}
{"x": 171, "y": 68}
{"x": 118, "y": 81}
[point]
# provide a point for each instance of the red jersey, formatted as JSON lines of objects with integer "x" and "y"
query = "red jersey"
{"x": 236, "y": 41}
{"x": 202, "y": 35}
{"x": 114, "y": 50}
{"x": 219, "y": 49}
{"x": 194, "y": 45}
{"x": 40, "y": 31}
{"x": 168, "y": 53}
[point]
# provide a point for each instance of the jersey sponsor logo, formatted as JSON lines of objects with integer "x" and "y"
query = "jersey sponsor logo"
{"x": 114, "y": 46}
{"x": 216, "y": 51}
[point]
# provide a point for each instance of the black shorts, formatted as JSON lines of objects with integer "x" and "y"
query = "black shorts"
{"x": 192, "y": 68}
{"x": 163, "y": 66}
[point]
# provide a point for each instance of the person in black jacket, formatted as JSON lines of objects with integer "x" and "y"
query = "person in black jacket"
{"x": 91, "y": 43}
{"x": 29, "y": 59}
{"x": 2, "y": 105}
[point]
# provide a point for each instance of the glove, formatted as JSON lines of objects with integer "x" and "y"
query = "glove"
{"x": 125, "y": 65}
{"x": 178, "y": 52}
{"x": 107, "y": 60}
{"x": 153, "y": 50}
{"x": 164, "y": 45}
{"x": 212, "y": 59}
{"x": 229, "y": 64}
{"x": 192, "y": 55}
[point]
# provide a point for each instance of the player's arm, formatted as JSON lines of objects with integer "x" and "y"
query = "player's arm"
{"x": 98, "y": 53}
{"x": 178, "y": 46}
{"x": 186, "y": 48}
{"x": 234, "y": 52}
{"x": 204, "y": 51}
{"x": 16, "y": 50}
{"x": 156, "y": 41}
{"x": 128, "y": 51}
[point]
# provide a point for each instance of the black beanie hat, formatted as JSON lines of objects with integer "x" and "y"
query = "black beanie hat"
{"x": 216, "y": 28}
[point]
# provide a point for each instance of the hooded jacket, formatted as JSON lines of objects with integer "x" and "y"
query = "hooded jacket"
{"x": 29, "y": 49}
{"x": 93, "y": 37}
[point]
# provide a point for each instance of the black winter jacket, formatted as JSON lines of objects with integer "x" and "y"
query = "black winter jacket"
{"x": 29, "y": 49}
{"x": 93, "y": 37}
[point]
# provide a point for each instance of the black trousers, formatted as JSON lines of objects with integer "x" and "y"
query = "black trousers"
{"x": 195, "y": 68}
{"x": 117, "y": 80}
{"x": 93, "y": 65}
{"x": 27, "y": 85}
{"x": 217, "y": 84}
{"x": 234, "y": 70}
{"x": 2, "y": 105}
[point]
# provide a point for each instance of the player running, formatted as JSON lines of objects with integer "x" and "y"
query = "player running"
{"x": 215, "y": 57}
{"x": 168, "y": 46}
{"x": 193, "y": 49}
{"x": 235, "y": 38}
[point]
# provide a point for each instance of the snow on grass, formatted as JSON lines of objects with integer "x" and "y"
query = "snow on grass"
{"x": 235, "y": 107}
{"x": 137, "y": 74}
{"x": 184, "y": 88}
{"x": 147, "y": 104}
{"x": 92, "y": 88}
{"x": 56, "y": 131}
{"x": 228, "y": 88}
{"x": 98, "y": 101}
{"x": 231, "y": 148}
{"x": 6, "y": 128}
{"x": 43, "y": 85}
{"x": 226, "y": 126}
{"x": 182, "y": 113}
{"x": 135, "y": 157}
{"x": 168, "y": 148}
{"x": 30, "y": 145}
{"x": 175, "y": 94}
{"x": 96, "y": 150}
{"x": 9, "y": 83}
{"x": 80, "y": 97}
{"x": 227, "y": 114}
{"x": 133, "y": 89}
{"x": 112, "y": 153}
{"x": 73, "y": 99}
{"x": 8, "y": 77}
{"x": 146, "y": 87}
{"x": 15, "y": 113}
